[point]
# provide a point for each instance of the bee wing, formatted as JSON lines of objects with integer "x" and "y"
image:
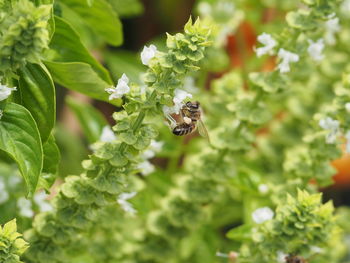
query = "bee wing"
{"x": 202, "y": 130}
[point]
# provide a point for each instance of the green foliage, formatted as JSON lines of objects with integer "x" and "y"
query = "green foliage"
{"x": 24, "y": 34}
{"x": 37, "y": 94}
{"x": 300, "y": 224}
{"x": 18, "y": 129}
{"x": 12, "y": 245}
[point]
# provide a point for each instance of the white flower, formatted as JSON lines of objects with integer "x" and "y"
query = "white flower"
{"x": 1, "y": 114}
{"x": 189, "y": 85}
{"x": 125, "y": 205}
{"x": 14, "y": 180}
{"x": 25, "y": 207}
{"x": 345, "y": 8}
{"x": 148, "y": 53}
{"x": 43, "y": 204}
{"x": 5, "y": 92}
{"x": 152, "y": 150}
{"x": 146, "y": 168}
{"x": 281, "y": 257}
{"x": 269, "y": 43}
{"x": 347, "y": 136}
{"x": 263, "y": 188}
{"x": 262, "y": 214}
{"x": 225, "y": 8}
{"x": 347, "y": 107}
{"x": 204, "y": 9}
{"x": 121, "y": 88}
{"x": 332, "y": 27}
{"x": 4, "y": 196}
{"x": 315, "y": 49}
{"x": 107, "y": 134}
{"x": 179, "y": 96}
{"x": 332, "y": 126}
{"x": 316, "y": 249}
{"x": 286, "y": 58}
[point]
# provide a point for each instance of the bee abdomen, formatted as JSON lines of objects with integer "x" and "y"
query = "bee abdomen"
{"x": 183, "y": 129}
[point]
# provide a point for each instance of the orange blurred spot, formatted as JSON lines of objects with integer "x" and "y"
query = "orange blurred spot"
{"x": 342, "y": 178}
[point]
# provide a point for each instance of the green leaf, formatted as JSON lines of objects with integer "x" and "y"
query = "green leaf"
{"x": 123, "y": 61}
{"x": 301, "y": 20}
{"x": 69, "y": 48}
{"x": 20, "y": 139}
{"x": 90, "y": 119}
{"x": 80, "y": 77}
{"x": 127, "y": 8}
{"x": 51, "y": 162}
{"x": 38, "y": 96}
{"x": 101, "y": 17}
{"x": 240, "y": 233}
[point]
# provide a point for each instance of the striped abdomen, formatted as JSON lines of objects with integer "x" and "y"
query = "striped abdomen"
{"x": 184, "y": 128}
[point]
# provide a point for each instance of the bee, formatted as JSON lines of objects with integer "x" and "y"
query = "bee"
{"x": 295, "y": 259}
{"x": 190, "y": 120}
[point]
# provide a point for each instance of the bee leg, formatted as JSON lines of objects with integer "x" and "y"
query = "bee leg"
{"x": 172, "y": 123}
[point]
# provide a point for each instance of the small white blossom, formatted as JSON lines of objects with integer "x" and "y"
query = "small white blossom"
{"x": 25, "y": 207}
{"x": 332, "y": 126}
{"x": 345, "y": 8}
{"x": 204, "y": 9}
{"x": 43, "y": 204}
{"x": 125, "y": 205}
{"x": 286, "y": 57}
{"x": 332, "y": 27}
{"x": 154, "y": 148}
{"x": 347, "y": 136}
{"x": 179, "y": 96}
{"x": 5, "y": 92}
{"x": 347, "y": 107}
{"x": 225, "y": 7}
{"x": 148, "y": 53}
{"x": 4, "y": 195}
{"x": 262, "y": 214}
{"x": 269, "y": 43}
{"x": 121, "y": 88}
{"x": 146, "y": 168}
{"x": 316, "y": 249}
{"x": 315, "y": 49}
{"x": 14, "y": 180}
{"x": 189, "y": 85}
{"x": 107, "y": 134}
{"x": 263, "y": 188}
{"x": 281, "y": 257}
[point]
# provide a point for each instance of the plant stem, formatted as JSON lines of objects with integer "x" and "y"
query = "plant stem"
{"x": 138, "y": 122}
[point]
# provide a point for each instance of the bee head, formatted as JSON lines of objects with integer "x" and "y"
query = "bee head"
{"x": 193, "y": 105}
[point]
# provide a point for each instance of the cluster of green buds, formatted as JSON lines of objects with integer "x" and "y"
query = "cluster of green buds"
{"x": 300, "y": 229}
{"x": 12, "y": 245}
{"x": 24, "y": 34}
{"x": 108, "y": 173}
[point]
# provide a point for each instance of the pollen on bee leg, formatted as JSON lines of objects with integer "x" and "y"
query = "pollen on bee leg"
{"x": 187, "y": 120}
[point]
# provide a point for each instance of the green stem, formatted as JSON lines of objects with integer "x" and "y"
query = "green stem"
{"x": 138, "y": 122}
